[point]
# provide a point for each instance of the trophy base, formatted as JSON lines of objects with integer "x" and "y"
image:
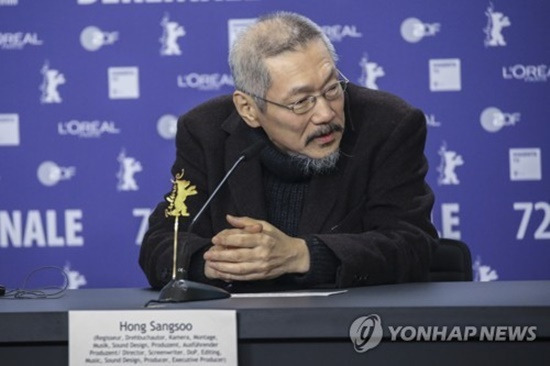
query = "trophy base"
{"x": 183, "y": 291}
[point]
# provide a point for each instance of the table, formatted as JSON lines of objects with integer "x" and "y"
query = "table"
{"x": 315, "y": 330}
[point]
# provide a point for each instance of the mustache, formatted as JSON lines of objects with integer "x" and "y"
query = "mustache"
{"x": 324, "y": 130}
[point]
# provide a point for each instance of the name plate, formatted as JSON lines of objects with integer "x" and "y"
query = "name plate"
{"x": 153, "y": 337}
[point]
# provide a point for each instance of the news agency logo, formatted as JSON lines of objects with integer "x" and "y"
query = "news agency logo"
{"x": 167, "y": 126}
{"x": 51, "y": 80}
{"x": 413, "y": 30}
{"x": 236, "y": 26}
{"x": 92, "y": 38}
{"x": 527, "y": 73}
{"x": 123, "y": 82}
{"x": 449, "y": 161}
{"x": 337, "y": 32}
{"x": 9, "y": 129}
{"x": 370, "y": 72}
{"x": 483, "y": 272}
{"x": 19, "y": 40}
{"x": 128, "y": 167}
{"x": 496, "y": 22}
{"x": 205, "y": 82}
{"x": 525, "y": 164}
{"x": 74, "y": 278}
{"x": 445, "y": 74}
{"x": 87, "y": 129}
{"x": 493, "y": 119}
{"x": 50, "y": 174}
{"x": 171, "y": 32}
{"x": 366, "y": 333}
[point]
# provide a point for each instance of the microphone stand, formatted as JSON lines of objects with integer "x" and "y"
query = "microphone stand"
{"x": 179, "y": 289}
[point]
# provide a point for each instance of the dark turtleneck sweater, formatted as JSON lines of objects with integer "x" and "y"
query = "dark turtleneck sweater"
{"x": 285, "y": 187}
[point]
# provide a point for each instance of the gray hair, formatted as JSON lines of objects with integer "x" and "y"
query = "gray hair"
{"x": 270, "y": 36}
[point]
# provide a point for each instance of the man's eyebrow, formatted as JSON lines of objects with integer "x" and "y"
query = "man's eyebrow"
{"x": 308, "y": 88}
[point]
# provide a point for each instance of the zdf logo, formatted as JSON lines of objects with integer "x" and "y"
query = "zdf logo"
{"x": 493, "y": 119}
{"x": 413, "y": 29}
{"x": 92, "y": 38}
{"x": 366, "y": 332}
{"x": 49, "y": 173}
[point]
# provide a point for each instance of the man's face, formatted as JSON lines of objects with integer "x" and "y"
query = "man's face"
{"x": 295, "y": 76}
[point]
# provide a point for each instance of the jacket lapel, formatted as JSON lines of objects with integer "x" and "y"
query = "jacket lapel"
{"x": 245, "y": 183}
{"x": 320, "y": 199}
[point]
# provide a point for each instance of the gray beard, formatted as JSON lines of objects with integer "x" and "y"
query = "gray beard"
{"x": 311, "y": 166}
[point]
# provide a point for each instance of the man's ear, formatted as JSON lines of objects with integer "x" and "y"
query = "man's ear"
{"x": 246, "y": 108}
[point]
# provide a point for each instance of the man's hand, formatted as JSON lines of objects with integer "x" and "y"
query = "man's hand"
{"x": 254, "y": 250}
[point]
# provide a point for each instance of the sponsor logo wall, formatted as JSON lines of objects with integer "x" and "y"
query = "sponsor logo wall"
{"x": 89, "y": 105}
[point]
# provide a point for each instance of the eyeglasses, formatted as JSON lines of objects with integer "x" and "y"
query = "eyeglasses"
{"x": 304, "y": 105}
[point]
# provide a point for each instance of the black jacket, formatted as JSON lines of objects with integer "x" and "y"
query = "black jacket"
{"x": 373, "y": 214}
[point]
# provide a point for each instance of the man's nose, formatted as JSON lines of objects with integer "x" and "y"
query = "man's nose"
{"x": 323, "y": 111}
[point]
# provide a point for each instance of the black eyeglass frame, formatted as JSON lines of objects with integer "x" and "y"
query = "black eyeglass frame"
{"x": 310, "y": 98}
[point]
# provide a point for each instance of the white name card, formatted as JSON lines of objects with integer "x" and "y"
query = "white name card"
{"x": 153, "y": 337}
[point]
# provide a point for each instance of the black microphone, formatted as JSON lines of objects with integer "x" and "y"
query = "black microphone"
{"x": 247, "y": 153}
{"x": 252, "y": 150}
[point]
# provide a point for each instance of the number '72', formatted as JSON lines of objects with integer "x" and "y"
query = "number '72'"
{"x": 527, "y": 208}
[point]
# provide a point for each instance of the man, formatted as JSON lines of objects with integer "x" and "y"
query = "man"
{"x": 337, "y": 198}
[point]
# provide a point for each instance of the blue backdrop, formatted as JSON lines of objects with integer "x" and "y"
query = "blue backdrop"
{"x": 90, "y": 91}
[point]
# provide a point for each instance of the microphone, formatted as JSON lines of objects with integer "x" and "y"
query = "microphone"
{"x": 247, "y": 153}
{"x": 252, "y": 150}
{"x": 180, "y": 290}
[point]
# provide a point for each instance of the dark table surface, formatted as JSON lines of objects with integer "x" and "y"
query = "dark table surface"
{"x": 501, "y": 303}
